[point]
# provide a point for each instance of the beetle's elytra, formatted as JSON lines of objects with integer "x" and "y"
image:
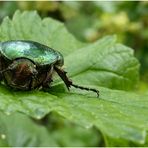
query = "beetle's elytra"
{"x": 28, "y": 65}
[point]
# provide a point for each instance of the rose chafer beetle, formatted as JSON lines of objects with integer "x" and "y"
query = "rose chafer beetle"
{"x": 27, "y": 65}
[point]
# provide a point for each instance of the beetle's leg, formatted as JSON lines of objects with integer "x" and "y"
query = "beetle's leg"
{"x": 46, "y": 84}
{"x": 30, "y": 84}
{"x": 63, "y": 76}
{"x": 34, "y": 77}
{"x": 48, "y": 78}
{"x": 5, "y": 70}
{"x": 10, "y": 67}
{"x": 2, "y": 72}
{"x": 69, "y": 83}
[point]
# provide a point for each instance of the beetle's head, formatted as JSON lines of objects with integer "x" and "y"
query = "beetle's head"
{"x": 23, "y": 67}
{"x": 21, "y": 71}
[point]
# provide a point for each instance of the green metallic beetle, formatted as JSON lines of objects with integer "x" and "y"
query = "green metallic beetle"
{"x": 27, "y": 65}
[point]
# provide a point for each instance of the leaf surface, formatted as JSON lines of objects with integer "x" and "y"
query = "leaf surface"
{"x": 117, "y": 113}
{"x": 19, "y": 131}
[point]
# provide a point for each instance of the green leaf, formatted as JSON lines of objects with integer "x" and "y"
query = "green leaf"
{"x": 117, "y": 114}
{"x": 69, "y": 134}
{"x": 104, "y": 63}
{"x": 19, "y": 130}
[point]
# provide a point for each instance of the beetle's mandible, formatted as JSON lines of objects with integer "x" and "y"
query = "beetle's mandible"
{"x": 27, "y": 65}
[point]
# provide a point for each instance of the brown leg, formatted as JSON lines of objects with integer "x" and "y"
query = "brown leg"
{"x": 30, "y": 84}
{"x": 63, "y": 76}
{"x": 2, "y": 72}
{"x": 69, "y": 83}
{"x": 48, "y": 78}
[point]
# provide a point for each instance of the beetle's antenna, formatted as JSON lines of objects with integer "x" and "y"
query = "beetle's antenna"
{"x": 69, "y": 83}
{"x": 86, "y": 88}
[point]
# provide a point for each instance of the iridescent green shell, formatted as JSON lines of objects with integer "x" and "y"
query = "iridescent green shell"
{"x": 40, "y": 54}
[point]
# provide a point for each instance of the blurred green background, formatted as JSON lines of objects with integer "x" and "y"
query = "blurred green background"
{"x": 89, "y": 21}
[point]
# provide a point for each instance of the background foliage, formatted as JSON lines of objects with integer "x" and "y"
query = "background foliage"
{"x": 119, "y": 117}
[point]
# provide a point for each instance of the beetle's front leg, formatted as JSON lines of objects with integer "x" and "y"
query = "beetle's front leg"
{"x": 69, "y": 83}
{"x": 63, "y": 76}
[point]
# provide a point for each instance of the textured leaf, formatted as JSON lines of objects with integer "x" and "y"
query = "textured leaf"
{"x": 118, "y": 114}
{"x": 104, "y": 63}
{"x": 21, "y": 131}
